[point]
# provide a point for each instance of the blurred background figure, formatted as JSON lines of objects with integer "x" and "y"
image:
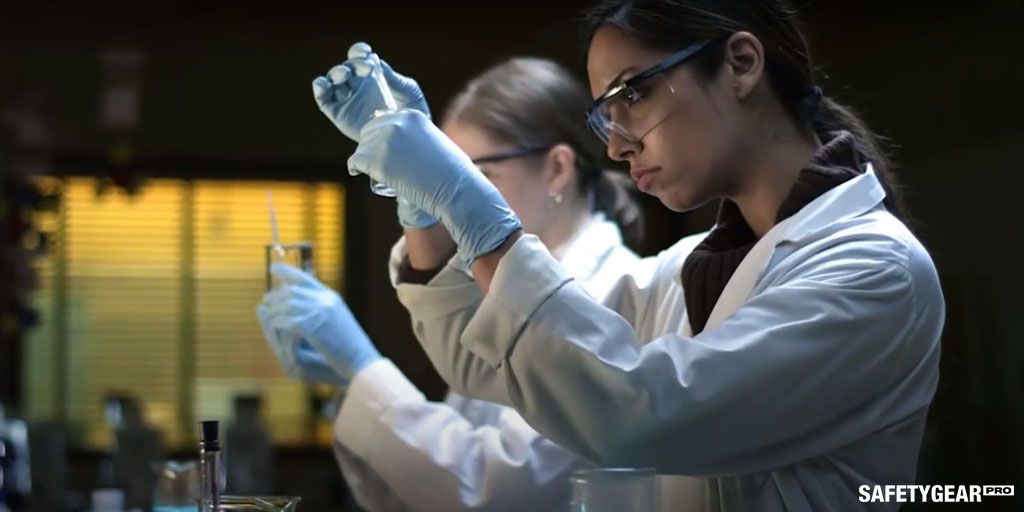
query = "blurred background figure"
{"x": 15, "y": 481}
{"x": 249, "y": 450}
{"x": 138, "y": 449}
{"x": 48, "y": 443}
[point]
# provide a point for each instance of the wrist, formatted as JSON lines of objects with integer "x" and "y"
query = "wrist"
{"x": 486, "y": 266}
{"x": 368, "y": 358}
{"x": 487, "y": 238}
{"x": 428, "y": 248}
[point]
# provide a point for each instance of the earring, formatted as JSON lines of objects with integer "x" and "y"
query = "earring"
{"x": 555, "y": 197}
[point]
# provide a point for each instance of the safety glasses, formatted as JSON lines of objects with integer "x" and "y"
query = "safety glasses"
{"x": 508, "y": 155}
{"x": 624, "y": 109}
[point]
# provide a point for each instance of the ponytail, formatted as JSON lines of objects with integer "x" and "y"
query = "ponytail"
{"x": 833, "y": 117}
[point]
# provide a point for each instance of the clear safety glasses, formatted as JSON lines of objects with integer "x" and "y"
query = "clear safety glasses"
{"x": 632, "y": 109}
{"x": 508, "y": 155}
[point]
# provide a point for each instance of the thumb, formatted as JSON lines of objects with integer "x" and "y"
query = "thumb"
{"x": 406, "y": 88}
{"x": 290, "y": 274}
{"x": 397, "y": 81}
{"x": 361, "y": 161}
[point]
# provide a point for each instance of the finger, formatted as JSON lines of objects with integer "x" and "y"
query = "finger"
{"x": 279, "y": 294}
{"x": 270, "y": 334}
{"x": 283, "y": 323}
{"x": 290, "y": 274}
{"x": 279, "y": 313}
{"x": 359, "y": 50}
{"x": 340, "y": 74}
{"x": 305, "y": 352}
{"x": 362, "y": 59}
{"x": 308, "y": 358}
{"x": 323, "y": 91}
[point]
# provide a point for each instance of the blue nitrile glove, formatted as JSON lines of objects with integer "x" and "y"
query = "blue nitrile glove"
{"x": 297, "y": 357}
{"x": 405, "y": 151}
{"x": 410, "y": 216}
{"x": 348, "y": 95}
{"x": 304, "y": 308}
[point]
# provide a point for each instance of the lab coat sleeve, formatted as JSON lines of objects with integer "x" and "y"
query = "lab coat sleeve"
{"x": 433, "y": 458}
{"x": 823, "y": 357}
{"x": 442, "y": 309}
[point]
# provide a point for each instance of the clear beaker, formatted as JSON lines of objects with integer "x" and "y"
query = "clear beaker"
{"x": 297, "y": 255}
{"x": 177, "y": 487}
{"x": 259, "y": 503}
{"x": 613, "y": 490}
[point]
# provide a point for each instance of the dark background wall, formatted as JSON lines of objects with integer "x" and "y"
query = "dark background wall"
{"x": 227, "y": 93}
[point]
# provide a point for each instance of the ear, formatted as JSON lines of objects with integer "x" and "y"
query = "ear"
{"x": 560, "y": 167}
{"x": 744, "y": 61}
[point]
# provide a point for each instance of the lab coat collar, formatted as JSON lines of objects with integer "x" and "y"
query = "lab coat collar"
{"x": 583, "y": 254}
{"x": 850, "y": 199}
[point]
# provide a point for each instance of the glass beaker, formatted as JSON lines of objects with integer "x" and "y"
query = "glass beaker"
{"x": 259, "y": 503}
{"x": 177, "y": 487}
{"x": 613, "y": 490}
{"x": 297, "y": 255}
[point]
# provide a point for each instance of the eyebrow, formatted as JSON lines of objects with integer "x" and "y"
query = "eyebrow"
{"x": 618, "y": 78}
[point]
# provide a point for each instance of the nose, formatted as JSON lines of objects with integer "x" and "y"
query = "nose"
{"x": 620, "y": 148}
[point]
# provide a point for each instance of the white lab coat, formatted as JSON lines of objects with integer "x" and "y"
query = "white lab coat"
{"x": 813, "y": 375}
{"x": 401, "y": 452}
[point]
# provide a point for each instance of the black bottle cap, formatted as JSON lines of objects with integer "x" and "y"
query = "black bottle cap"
{"x": 210, "y": 435}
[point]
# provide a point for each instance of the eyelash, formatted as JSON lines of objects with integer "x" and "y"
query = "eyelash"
{"x": 633, "y": 95}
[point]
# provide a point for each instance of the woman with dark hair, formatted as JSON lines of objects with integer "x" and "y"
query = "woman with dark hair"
{"x": 519, "y": 120}
{"x": 789, "y": 357}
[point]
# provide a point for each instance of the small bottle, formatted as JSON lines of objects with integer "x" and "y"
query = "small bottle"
{"x": 209, "y": 467}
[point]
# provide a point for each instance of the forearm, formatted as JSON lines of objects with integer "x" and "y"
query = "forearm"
{"x": 428, "y": 248}
{"x": 485, "y": 266}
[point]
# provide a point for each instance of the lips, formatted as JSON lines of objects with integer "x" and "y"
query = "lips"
{"x": 643, "y": 177}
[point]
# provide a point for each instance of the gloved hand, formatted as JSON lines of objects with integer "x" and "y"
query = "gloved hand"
{"x": 306, "y": 309}
{"x": 349, "y": 96}
{"x": 405, "y": 151}
{"x": 297, "y": 357}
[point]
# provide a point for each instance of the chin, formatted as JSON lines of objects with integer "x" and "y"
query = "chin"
{"x": 682, "y": 202}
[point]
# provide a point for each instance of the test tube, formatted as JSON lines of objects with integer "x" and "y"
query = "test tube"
{"x": 209, "y": 467}
{"x": 390, "y": 105}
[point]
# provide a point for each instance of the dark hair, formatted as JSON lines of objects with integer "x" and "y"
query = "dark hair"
{"x": 670, "y": 25}
{"x": 532, "y": 102}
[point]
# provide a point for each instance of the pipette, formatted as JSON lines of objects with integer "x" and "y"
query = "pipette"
{"x": 275, "y": 235}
